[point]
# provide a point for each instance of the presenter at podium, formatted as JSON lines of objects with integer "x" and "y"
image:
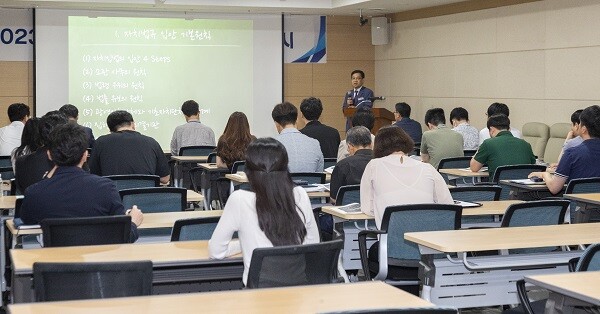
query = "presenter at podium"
{"x": 358, "y": 97}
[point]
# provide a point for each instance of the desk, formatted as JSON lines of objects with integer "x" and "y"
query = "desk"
{"x": 151, "y": 221}
{"x": 240, "y": 177}
{"x": 194, "y": 197}
{"x": 8, "y": 201}
{"x": 528, "y": 192}
{"x": 302, "y": 299}
{"x": 464, "y": 173}
{"x": 178, "y": 266}
{"x": 586, "y": 202}
{"x": 489, "y": 280}
{"x": 205, "y": 181}
{"x": 178, "y": 169}
{"x": 569, "y": 290}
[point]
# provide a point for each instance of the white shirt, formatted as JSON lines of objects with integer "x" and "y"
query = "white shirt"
{"x": 484, "y": 134}
{"x": 388, "y": 182}
{"x": 10, "y": 137}
{"x": 240, "y": 215}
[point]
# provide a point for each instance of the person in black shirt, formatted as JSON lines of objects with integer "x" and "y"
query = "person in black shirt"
{"x": 328, "y": 137}
{"x": 349, "y": 171}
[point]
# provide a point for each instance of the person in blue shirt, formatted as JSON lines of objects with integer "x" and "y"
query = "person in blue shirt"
{"x": 403, "y": 120}
{"x": 580, "y": 161}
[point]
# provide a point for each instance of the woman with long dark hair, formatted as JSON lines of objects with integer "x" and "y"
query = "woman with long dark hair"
{"x": 274, "y": 213}
{"x": 232, "y": 145}
{"x": 30, "y": 140}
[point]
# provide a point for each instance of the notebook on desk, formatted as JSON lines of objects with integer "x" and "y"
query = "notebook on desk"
{"x": 20, "y": 225}
{"x": 467, "y": 204}
{"x": 527, "y": 182}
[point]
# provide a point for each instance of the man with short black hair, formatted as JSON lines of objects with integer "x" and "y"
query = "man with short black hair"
{"x": 440, "y": 141}
{"x": 328, "y": 137}
{"x": 69, "y": 191}
{"x": 10, "y": 135}
{"x": 125, "y": 151}
{"x": 493, "y": 109}
{"x": 72, "y": 114}
{"x": 582, "y": 160}
{"x": 304, "y": 153}
{"x": 359, "y": 96}
{"x": 33, "y": 167}
{"x": 403, "y": 120}
{"x": 502, "y": 149}
{"x": 193, "y": 132}
{"x": 459, "y": 118}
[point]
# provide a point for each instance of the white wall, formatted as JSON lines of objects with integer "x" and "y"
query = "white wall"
{"x": 542, "y": 59}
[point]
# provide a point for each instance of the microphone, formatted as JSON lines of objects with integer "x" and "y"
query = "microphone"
{"x": 377, "y": 98}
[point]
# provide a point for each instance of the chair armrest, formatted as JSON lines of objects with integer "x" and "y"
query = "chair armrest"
{"x": 522, "y": 294}
{"x": 573, "y": 264}
{"x": 362, "y": 248}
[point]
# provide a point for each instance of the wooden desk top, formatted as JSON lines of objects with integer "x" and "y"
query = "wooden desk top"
{"x": 487, "y": 208}
{"x": 590, "y": 198}
{"x": 8, "y": 201}
{"x": 302, "y": 299}
{"x": 161, "y": 254}
{"x": 193, "y": 196}
{"x": 211, "y": 166}
{"x": 151, "y": 220}
{"x": 184, "y": 159}
{"x": 240, "y": 177}
{"x": 464, "y": 173}
{"x": 584, "y": 286}
{"x": 506, "y": 238}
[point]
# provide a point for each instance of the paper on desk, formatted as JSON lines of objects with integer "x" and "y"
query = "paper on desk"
{"x": 526, "y": 181}
{"x": 329, "y": 169}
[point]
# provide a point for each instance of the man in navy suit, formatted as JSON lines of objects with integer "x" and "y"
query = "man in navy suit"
{"x": 358, "y": 97}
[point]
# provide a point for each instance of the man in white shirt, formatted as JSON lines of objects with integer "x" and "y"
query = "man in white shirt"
{"x": 493, "y": 109}
{"x": 10, "y": 135}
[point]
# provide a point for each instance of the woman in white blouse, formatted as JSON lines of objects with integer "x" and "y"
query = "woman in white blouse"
{"x": 274, "y": 213}
{"x": 393, "y": 178}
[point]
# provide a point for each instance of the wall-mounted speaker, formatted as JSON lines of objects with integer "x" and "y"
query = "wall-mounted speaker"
{"x": 380, "y": 31}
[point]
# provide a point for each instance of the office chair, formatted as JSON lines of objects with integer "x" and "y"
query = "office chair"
{"x": 294, "y": 265}
{"x": 77, "y": 281}
{"x": 453, "y": 163}
{"x": 395, "y": 260}
{"x": 155, "y": 200}
{"x": 131, "y": 181}
{"x": 583, "y": 185}
{"x": 194, "y": 229}
{"x": 511, "y": 173}
{"x": 86, "y": 231}
{"x": 196, "y": 150}
{"x": 476, "y": 193}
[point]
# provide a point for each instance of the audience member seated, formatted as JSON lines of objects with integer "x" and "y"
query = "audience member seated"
{"x": 30, "y": 140}
{"x": 10, "y": 135}
{"x": 72, "y": 114}
{"x": 362, "y": 118}
{"x": 193, "y": 132}
{"x": 493, "y": 109}
{"x": 440, "y": 141}
{"x": 393, "y": 178}
{"x": 350, "y": 170}
{"x": 328, "y": 137}
{"x": 459, "y": 117}
{"x": 233, "y": 143}
{"x": 582, "y": 160}
{"x": 573, "y": 137}
{"x": 403, "y": 120}
{"x": 275, "y": 213}
{"x": 125, "y": 151}
{"x": 69, "y": 191}
{"x": 502, "y": 149}
{"x": 34, "y": 166}
{"x": 304, "y": 153}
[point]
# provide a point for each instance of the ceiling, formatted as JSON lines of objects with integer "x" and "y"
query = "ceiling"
{"x": 323, "y": 7}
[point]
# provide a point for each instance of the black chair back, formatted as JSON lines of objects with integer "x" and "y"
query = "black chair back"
{"x": 328, "y": 162}
{"x": 196, "y": 150}
{"x": 453, "y": 163}
{"x": 86, "y": 231}
{"x": 194, "y": 229}
{"x": 212, "y": 158}
{"x": 132, "y": 181}
{"x": 294, "y": 265}
{"x": 77, "y": 281}
{"x": 513, "y": 172}
{"x": 6, "y": 168}
{"x": 348, "y": 194}
{"x": 309, "y": 177}
{"x": 155, "y": 200}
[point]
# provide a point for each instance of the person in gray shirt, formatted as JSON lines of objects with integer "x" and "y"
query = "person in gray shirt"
{"x": 192, "y": 133}
{"x": 304, "y": 153}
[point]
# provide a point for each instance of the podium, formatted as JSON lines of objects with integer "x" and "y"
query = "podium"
{"x": 383, "y": 117}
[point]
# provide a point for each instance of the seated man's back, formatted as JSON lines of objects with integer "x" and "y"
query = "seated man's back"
{"x": 127, "y": 152}
{"x": 304, "y": 153}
